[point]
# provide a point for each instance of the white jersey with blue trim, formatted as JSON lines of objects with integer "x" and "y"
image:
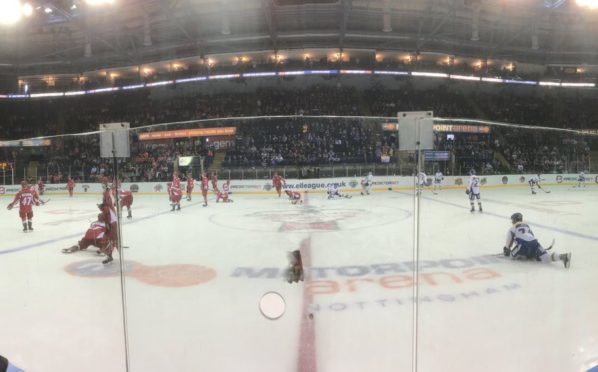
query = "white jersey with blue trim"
{"x": 421, "y": 178}
{"x": 534, "y": 180}
{"x": 474, "y": 184}
{"x": 520, "y": 231}
{"x": 438, "y": 177}
{"x": 332, "y": 189}
{"x": 581, "y": 177}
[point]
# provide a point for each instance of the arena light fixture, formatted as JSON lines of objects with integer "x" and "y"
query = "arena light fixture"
{"x": 590, "y": 4}
{"x": 99, "y": 2}
{"x": 27, "y": 9}
{"x": 10, "y": 12}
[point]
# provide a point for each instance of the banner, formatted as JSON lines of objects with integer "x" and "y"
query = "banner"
{"x": 182, "y": 133}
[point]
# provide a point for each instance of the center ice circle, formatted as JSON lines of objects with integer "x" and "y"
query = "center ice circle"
{"x": 272, "y": 305}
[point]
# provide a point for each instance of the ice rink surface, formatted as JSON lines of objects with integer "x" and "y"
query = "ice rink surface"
{"x": 194, "y": 279}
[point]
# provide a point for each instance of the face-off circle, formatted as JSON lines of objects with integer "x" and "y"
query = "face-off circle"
{"x": 309, "y": 219}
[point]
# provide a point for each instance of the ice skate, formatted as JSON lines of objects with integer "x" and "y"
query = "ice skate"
{"x": 24, "y": 227}
{"x": 72, "y": 249}
{"x": 173, "y": 208}
{"x": 129, "y": 216}
{"x": 533, "y": 192}
{"x": 472, "y": 209}
{"x": 30, "y": 226}
{"x": 108, "y": 260}
{"x": 480, "y": 207}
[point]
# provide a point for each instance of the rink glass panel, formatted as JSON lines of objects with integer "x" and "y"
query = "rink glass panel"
{"x": 193, "y": 279}
{"x": 472, "y": 294}
{"x": 59, "y": 312}
{"x": 205, "y": 269}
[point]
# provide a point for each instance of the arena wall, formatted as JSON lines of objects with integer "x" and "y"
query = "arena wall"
{"x": 347, "y": 184}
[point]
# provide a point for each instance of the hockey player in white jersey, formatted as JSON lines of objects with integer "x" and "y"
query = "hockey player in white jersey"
{"x": 534, "y": 182}
{"x": 420, "y": 182}
{"x": 581, "y": 179}
{"x": 438, "y": 178}
{"x": 334, "y": 192}
{"x": 522, "y": 244}
{"x": 366, "y": 184}
{"x": 473, "y": 190}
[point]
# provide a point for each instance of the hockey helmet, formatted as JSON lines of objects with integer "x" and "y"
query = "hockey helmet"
{"x": 516, "y": 217}
{"x": 24, "y": 184}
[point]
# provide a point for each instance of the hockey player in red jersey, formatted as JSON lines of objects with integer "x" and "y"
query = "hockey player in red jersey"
{"x": 190, "y": 185}
{"x": 94, "y": 236}
{"x": 223, "y": 195}
{"x": 204, "y": 189}
{"x": 278, "y": 182}
{"x": 294, "y": 196}
{"x": 214, "y": 180}
{"x": 70, "y": 186}
{"x": 26, "y": 197}
{"x": 175, "y": 192}
{"x": 41, "y": 188}
{"x": 126, "y": 201}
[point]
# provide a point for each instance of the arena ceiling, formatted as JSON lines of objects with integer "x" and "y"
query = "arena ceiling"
{"x": 68, "y": 36}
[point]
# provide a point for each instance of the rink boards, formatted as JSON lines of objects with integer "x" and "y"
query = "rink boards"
{"x": 347, "y": 184}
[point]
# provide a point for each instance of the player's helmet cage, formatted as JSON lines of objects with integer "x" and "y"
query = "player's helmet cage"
{"x": 472, "y": 172}
{"x": 24, "y": 184}
{"x": 516, "y": 217}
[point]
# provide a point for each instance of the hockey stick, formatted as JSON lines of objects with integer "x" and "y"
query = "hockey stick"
{"x": 44, "y": 201}
{"x": 546, "y": 191}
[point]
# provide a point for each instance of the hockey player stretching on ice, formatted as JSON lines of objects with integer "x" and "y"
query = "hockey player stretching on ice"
{"x": 334, "y": 192}
{"x": 26, "y": 197}
{"x": 527, "y": 246}
{"x": 294, "y": 196}
{"x": 223, "y": 195}
{"x": 94, "y": 236}
{"x": 473, "y": 190}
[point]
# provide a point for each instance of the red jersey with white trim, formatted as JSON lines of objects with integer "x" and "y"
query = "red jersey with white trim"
{"x": 26, "y": 198}
{"x": 204, "y": 183}
{"x": 70, "y": 184}
{"x": 215, "y": 182}
{"x": 96, "y": 231}
{"x": 277, "y": 181}
{"x": 190, "y": 183}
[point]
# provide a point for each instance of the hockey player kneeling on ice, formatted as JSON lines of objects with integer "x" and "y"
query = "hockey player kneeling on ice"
{"x": 295, "y": 270}
{"x": 526, "y": 246}
{"x": 223, "y": 195}
{"x": 94, "y": 236}
{"x": 294, "y": 196}
{"x": 334, "y": 192}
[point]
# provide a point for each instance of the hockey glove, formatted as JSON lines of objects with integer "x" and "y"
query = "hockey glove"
{"x": 506, "y": 251}
{"x": 467, "y": 191}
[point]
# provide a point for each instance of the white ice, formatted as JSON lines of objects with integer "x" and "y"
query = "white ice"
{"x": 195, "y": 278}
